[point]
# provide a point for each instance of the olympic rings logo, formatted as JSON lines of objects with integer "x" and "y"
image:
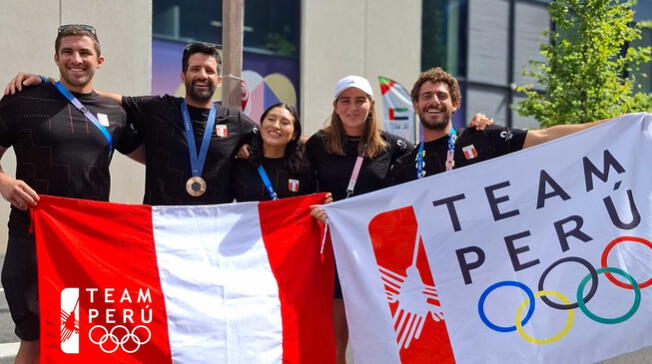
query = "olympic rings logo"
{"x": 566, "y": 305}
{"x": 119, "y": 336}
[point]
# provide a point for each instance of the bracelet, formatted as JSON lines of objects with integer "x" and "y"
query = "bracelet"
{"x": 44, "y": 79}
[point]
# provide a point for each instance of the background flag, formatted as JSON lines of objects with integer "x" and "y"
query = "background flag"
{"x": 397, "y": 109}
{"x": 237, "y": 283}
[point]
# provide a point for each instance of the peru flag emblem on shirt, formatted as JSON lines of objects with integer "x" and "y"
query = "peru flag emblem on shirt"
{"x": 293, "y": 185}
{"x": 221, "y": 130}
{"x": 469, "y": 152}
{"x": 236, "y": 283}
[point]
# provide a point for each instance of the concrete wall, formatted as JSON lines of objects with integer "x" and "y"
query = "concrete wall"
{"x": 367, "y": 38}
{"x": 124, "y": 28}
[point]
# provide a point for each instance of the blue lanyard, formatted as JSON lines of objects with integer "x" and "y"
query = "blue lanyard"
{"x": 197, "y": 160}
{"x": 268, "y": 184}
{"x": 73, "y": 100}
{"x": 450, "y": 154}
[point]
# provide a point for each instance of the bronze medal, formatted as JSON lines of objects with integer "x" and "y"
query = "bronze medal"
{"x": 195, "y": 186}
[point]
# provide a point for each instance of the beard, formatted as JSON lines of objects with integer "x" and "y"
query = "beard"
{"x": 436, "y": 124}
{"x": 200, "y": 95}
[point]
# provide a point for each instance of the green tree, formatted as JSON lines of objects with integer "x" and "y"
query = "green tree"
{"x": 590, "y": 67}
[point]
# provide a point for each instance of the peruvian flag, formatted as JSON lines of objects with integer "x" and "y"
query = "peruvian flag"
{"x": 235, "y": 283}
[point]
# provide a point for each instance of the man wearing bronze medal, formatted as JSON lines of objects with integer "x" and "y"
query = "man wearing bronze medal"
{"x": 64, "y": 135}
{"x": 190, "y": 142}
{"x": 436, "y": 97}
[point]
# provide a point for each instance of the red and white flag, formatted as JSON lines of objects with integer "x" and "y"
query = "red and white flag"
{"x": 237, "y": 283}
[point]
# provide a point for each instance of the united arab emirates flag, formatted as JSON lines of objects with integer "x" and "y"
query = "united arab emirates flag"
{"x": 397, "y": 109}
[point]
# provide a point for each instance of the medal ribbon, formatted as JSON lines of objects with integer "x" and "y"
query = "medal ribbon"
{"x": 354, "y": 175}
{"x": 450, "y": 155}
{"x": 76, "y": 103}
{"x": 197, "y": 160}
{"x": 268, "y": 184}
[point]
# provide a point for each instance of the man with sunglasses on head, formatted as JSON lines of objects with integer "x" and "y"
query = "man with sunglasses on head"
{"x": 190, "y": 142}
{"x": 63, "y": 135}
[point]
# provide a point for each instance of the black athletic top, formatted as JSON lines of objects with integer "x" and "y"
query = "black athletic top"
{"x": 472, "y": 146}
{"x": 333, "y": 171}
{"x": 58, "y": 151}
{"x": 248, "y": 186}
{"x": 168, "y": 163}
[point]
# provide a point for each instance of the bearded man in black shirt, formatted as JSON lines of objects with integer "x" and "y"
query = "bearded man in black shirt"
{"x": 436, "y": 97}
{"x": 187, "y": 163}
{"x": 180, "y": 171}
{"x": 60, "y": 150}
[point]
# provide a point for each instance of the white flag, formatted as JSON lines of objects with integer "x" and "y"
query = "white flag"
{"x": 543, "y": 255}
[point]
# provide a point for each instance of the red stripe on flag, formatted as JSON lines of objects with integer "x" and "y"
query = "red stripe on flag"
{"x": 304, "y": 276}
{"x": 394, "y": 235}
{"x": 391, "y": 113}
{"x": 384, "y": 87}
{"x": 109, "y": 247}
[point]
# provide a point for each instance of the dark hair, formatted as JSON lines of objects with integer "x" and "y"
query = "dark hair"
{"x": 295, "y": 160}
{"x": 201, "y": 47}
{"x": 81, "y": 30}
{"x": 435, "y": 75}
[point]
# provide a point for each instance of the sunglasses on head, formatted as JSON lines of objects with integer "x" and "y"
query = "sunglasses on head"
{"x": 88, "y": 28}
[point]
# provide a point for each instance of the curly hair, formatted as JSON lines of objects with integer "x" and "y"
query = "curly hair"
{"x": 294, "y": 158}
{"x": 435, "y": 75}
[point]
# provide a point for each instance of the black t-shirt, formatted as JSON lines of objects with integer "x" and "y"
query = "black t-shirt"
{"x": 333, "y": 172}
{"x": 472, "y": 146}
{"x": 58, "y": 151}
{"x": 248, "y": 186}
{"x": 168, "y": 162}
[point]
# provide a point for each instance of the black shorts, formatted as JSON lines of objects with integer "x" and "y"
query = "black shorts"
{"x": 19, "y": 280}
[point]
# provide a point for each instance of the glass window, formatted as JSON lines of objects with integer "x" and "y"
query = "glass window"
{"x": 443, "y": 38}
{"x": 270, "y": 26}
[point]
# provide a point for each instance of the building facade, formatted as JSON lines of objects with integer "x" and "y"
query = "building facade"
{"x": 295, "y": 52}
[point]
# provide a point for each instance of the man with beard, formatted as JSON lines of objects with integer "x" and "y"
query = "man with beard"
{"x": 436, "y": 97}
{"x": 64, "y": 135}
{"x": 190, "y": 143}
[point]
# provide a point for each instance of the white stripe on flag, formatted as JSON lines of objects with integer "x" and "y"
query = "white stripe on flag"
{"x": 200, "y": 254}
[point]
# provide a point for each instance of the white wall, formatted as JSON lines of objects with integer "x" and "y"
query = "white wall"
{"x": 369, "y": 38}
{"x": 29, "y": 28}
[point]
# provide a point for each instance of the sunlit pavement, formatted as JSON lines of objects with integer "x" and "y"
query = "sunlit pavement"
{"x": 8, "y": 341}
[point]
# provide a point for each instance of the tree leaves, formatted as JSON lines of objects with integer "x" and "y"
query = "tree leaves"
{"x": 591, "y": 68}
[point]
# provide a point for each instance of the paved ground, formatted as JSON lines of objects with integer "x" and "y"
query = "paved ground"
{"x": 6, "y": 328}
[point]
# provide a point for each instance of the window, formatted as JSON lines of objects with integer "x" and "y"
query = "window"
{"x": 270, "y": 27}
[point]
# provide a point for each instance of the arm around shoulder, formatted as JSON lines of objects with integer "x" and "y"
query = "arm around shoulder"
{"x": 540, "y": 136}
{"x": 115, "y": 97}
